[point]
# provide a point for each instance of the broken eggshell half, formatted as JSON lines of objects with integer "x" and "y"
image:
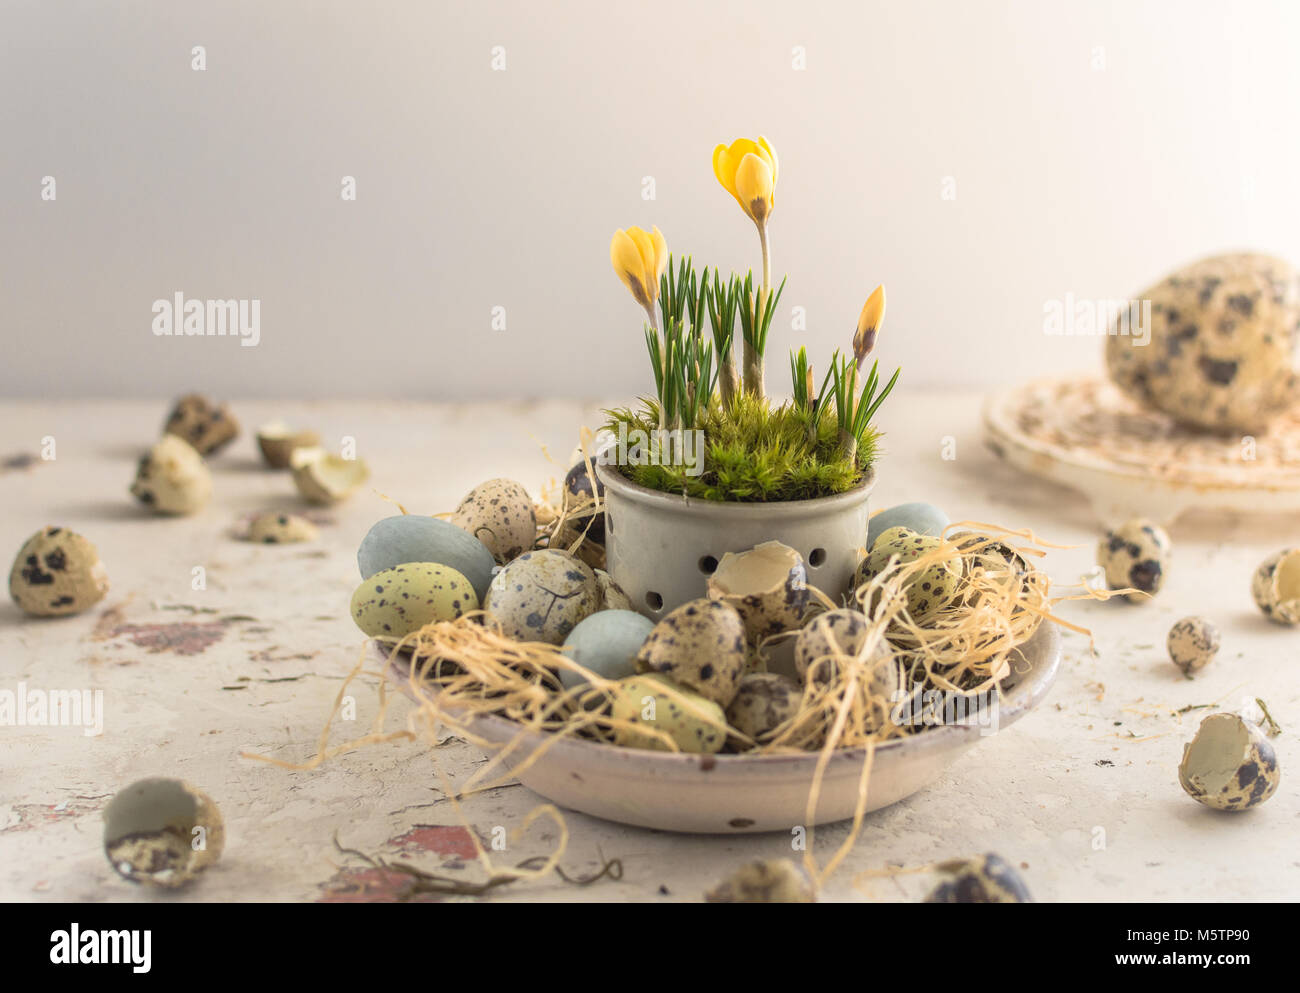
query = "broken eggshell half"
{"x": 280, "y": 529}
{"x": 172, "y": 478}
{"x": 57, "y": 572}
{"x": 323, "y": 478}
{"x": 1229, "y": 765}
{"x": 1276, "y": 587}
{"x": 767, "y": 585}
{"x": 278, "y": 442}
{"x": 162, "y": 832}
{"x": 768, "y": 881}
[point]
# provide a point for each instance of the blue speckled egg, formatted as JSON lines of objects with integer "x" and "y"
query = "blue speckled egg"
{"x": 416, "y": 538}
{"x": 606, "y": 643}
{"x": 923, "y": 518}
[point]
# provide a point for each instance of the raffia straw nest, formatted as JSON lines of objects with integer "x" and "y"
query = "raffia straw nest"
{"x": 463, "y": 669}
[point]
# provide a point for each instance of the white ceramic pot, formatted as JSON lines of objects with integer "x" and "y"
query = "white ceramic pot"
{"x": 661, "y": 548}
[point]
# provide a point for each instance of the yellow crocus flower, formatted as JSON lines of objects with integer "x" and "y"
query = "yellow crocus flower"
{"x": 869, "y": 321}
{"x": 748, "y": 171}
{"x": 639, "y": 258}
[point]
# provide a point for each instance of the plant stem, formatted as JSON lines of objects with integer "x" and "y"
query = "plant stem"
{"x": 753, "y": 358}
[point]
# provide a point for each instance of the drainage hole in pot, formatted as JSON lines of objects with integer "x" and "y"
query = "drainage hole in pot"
{"x": 817, "y": 557}
{"x": 708, "y": 565}
{"x": 654, "y": 601}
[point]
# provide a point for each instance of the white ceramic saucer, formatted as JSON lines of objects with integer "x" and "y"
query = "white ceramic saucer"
{"x": 732, "y": 794}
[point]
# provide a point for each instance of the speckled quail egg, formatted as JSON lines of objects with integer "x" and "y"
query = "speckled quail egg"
{"x": 1276, "y": 587}
{"x": 928, "y": 591}
{"x": 1221, "y": 351}
{"x": 767, "y": 585}
{"x": 612, "y": 596}
{"x": 500, "y": 514}
{"x": 992, "y": 558}
{"x": 580, "y": 494}
{"x": 764, "y": 702}
{"x": 701, "y": 645}
{"x": 1193, "y": 642}
{"x": 278, "y": 442}
{"x": 57, "y": 572}
{"x": 281, "y": 529}
{"x": 988, "y": 879}
{"x": 606, "y": 643}
{"x": 766, "y": 881}
{"x": 835, "y": 637}
{"x": 542, "y": 596}
{"x": 207, "y": 426}
{"x": 693, "y": 722}
{"x": 397, "y": 601}
{"x": 324, "y": 479}
{"x": 1135, "y": 555}
{"x": 1229, "y": 765}
{"x": 923, "y": 518}
{"x": 172, "y": 478}
{"x": 162, "y": 832}
{"x": 416, "y": 538}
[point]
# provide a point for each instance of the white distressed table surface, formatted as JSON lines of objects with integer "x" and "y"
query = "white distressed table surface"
{"x": 1083, "y": 793}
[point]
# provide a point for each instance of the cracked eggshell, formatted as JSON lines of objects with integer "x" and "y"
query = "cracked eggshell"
{"x": 499, "y": 513}
{"x": 278, "y": 442}
{"x": 1229, "y": 765}
{"x": 928, "y": 591}
{"x": 57, "y": 572}
{"x": 1135, "y": 554}
{"x": 172, "y": 478}
{"x": 700, "y": 645}
{"x": 1222, "y": 347}
{"x": 162, "y": 832}
{"x": 1275, "y": 587}
{"x": 281, "y": 529}
{"x": 988, "y": 879}
{"x": 606, "y": 643}
{"x": 767, "y": 585}
{"x": 416, "y": 538}
{"x": 397, "y": 601}
{"x": 764, "y": 702}
{"x": 207, "y": 426}
{"x": 325, "y": 479}
{"x": 766, "y": 881}
{"x": 1193, "y": 642}
{"x": 694, "y": 722}
{"x": 542, "y": 596}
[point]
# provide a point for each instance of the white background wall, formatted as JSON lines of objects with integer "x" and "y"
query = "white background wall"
{"x": 481, "y": 188}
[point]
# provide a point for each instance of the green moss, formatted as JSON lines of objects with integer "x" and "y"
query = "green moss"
{"x": 754, "y": 453}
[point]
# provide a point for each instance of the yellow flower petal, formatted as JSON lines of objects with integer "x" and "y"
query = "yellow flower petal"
{"x": 727, "y": 160}
{"x": 754, "y": 187}
{"x": 626, "y": 259}
{"x": 766, "y": 146}
{"x": 869, "y": 321}
{"x": 661, "y": 253}
{"x": 645, "y": 247}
